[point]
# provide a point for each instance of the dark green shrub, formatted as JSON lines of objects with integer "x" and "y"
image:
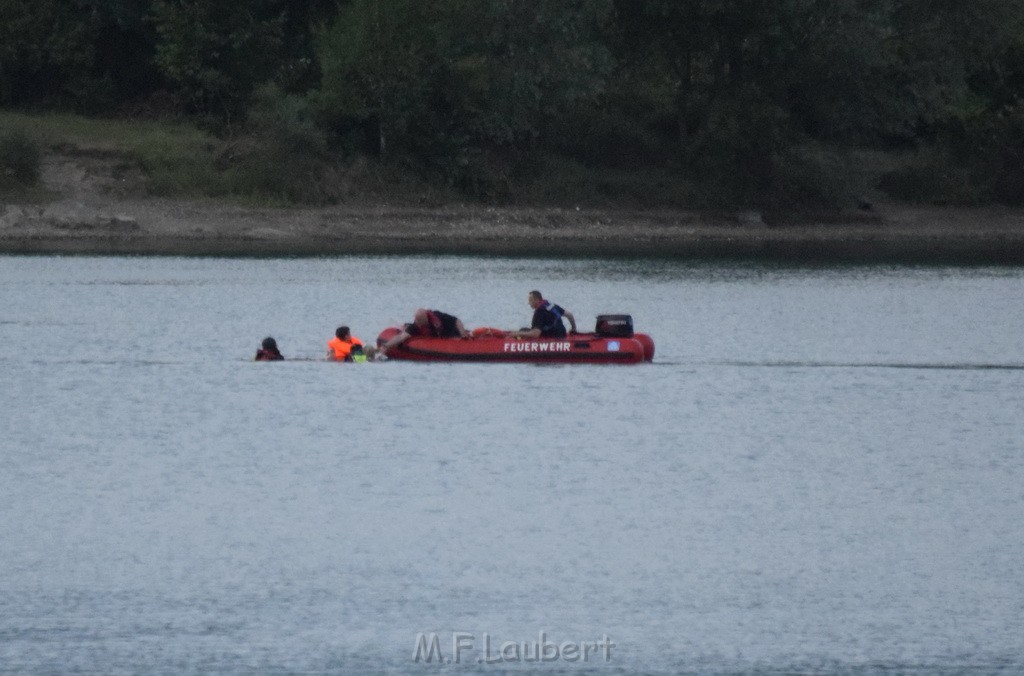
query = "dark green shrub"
{"x": 283, "y": 155}
{"x": 817, "y": 177}
{"x": 999, "y": 153}
{"x": 978, "y": 162}
{"x": 561, "y": 181}
{"x": 934, "y": 176}
{"x": 20, "y": 160}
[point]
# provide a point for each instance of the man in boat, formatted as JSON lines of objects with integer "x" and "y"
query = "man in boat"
{"x": 268, "y": 351}
{"x": 345, "y": 347}
{"x": 430, "y": 324}
{"x": 547, "y": 319}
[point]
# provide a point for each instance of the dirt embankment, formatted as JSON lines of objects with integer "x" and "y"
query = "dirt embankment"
{"x": 100, "y": 207}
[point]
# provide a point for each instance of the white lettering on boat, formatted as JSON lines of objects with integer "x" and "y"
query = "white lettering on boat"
{"x": 531, "y": 346}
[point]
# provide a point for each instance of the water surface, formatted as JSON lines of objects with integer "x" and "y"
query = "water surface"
{"x": 822, "y": 469}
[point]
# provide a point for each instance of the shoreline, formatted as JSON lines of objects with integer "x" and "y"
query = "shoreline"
{"x": 151, "y": 226}
{"x": 98, "y": 208}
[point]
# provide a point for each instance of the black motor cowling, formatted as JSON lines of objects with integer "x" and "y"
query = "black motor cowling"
{"x": 614, "y": 326}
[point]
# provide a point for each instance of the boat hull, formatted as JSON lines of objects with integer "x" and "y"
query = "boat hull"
{"x": 573, "y": 349}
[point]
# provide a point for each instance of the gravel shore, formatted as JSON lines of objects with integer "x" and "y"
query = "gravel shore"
{"x": 100, "y": 213}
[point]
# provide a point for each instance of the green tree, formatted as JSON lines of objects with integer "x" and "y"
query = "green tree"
{"x": 88, "y": 55}
{"x": 758, "y": 68}
{"x": 380, "y": 65}
{"x": 936, "y": 49}
{"x": 20, "y": 160}
{"x": 218, "y": 53}
{"x": 530, "y": 64}
{"x": 43, "y": 44}
{"x": 454, "y": 84}
{"x": 752, "y": 81}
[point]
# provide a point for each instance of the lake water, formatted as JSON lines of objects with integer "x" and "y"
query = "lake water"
{"x": 822, "y": 470}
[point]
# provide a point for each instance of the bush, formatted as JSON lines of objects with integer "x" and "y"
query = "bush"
{"x": 813, "y": 176}
{"x": 737, "y": 148}
{"x": 555, "y": 180}
{"x": 19, "y": 161}
{"x": 980, "y": 162}
{"x": 998, "y": 145}
{"x": 283, "y": 155}
{"x": 933, "y": 176}
{"x": 273, "y": 173}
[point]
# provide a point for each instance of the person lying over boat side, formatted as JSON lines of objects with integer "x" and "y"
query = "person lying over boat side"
{"x": 344, "y": 346}
{"x": 268, "y": 351}
{"x": 547, "y": 319}
{"x": 428, "y": 323}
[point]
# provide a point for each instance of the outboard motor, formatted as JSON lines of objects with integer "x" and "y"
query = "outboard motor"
{"x": 614, "y": 326}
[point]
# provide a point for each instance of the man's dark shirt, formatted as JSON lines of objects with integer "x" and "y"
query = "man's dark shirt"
{"x": 549, "y": 322}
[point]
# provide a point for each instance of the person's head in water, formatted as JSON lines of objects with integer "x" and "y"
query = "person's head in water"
{"x": 342, "y": 332}
{"x": 268, "y": 351}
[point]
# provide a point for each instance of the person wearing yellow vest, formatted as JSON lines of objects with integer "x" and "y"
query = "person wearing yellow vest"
{"x": 344, "y": 346}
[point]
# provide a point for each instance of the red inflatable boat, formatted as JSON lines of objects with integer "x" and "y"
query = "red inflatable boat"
{"x": 613, "y": 342}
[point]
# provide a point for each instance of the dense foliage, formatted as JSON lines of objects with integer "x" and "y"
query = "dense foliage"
{"x": 753, "y": 101}
{"x": 19, "y": 161}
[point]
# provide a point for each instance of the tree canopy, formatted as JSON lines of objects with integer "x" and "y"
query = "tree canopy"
{"x": 747, "y": 95}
